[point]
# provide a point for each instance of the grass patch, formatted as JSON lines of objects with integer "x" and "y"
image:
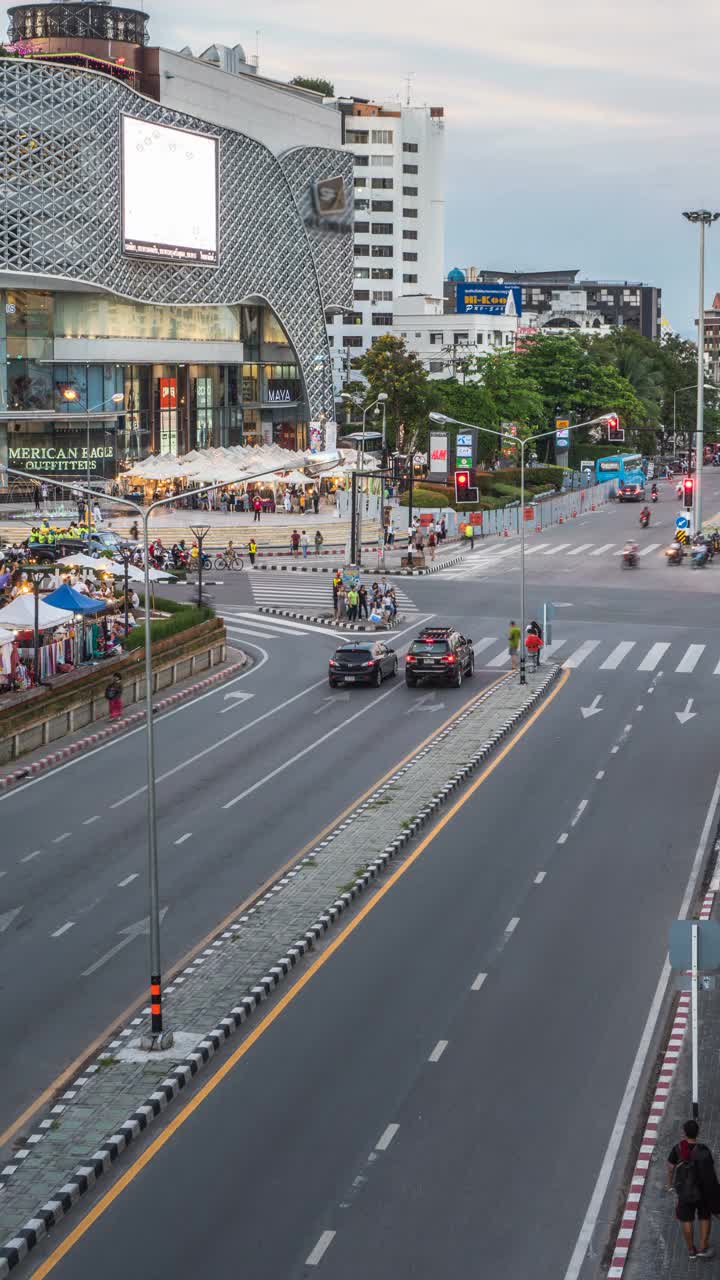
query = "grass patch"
{"x": 107, "y": 1061}
{"x": 183, "y": 616}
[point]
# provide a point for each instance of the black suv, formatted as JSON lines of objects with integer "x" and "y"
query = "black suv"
{"x": 441, "y": 653}
{"x": 362, "y": 663}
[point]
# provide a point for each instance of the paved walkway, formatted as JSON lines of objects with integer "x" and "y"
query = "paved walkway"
{"x": 117, "y": 1095}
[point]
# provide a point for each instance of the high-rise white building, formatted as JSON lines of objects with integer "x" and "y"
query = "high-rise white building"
{"x": 399, "y": 217}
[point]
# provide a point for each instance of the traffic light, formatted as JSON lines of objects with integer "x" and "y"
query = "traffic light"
{"x": 615, "y": 431}
{"x": 688, "y": 492}
{"x": 462, "y": 486}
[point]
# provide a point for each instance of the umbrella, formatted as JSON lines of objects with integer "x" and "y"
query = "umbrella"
{"x": 6, "y": 636}
{"x": 73, "y": 601}
{"x": 100, "y": 564}
{"x": 20, "y": 613}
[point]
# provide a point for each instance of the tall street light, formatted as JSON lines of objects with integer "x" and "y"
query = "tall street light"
{"x": 159, "y": 1038}
{"x": 71, "y": 395}
{"x": 704, "y": 218}
{"x": 442, "y": 419}
{"x": 708, "y": 386}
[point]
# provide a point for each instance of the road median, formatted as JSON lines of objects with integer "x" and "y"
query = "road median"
{"x": 116, "y": 1096}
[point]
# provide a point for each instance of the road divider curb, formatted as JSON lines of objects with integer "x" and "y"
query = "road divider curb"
{"x": 31, "y": 770}
{"x": 328, "y": 622}
{"x": 430, "y": 568}
{"x": 86, "y": 1176}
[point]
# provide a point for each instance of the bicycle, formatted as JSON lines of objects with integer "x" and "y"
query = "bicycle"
{"x": 232, "y": 561}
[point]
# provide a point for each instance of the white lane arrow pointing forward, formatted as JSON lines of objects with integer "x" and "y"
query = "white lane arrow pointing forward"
{"x": 130, "y": 932}
{"x": 687, "y": 714}
{"x": 235, "y": 700}
{"x": 593, "y": 709}
{"x": 7, "y": 919}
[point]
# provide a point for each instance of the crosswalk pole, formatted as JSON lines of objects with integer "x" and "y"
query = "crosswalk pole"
{"x": 523, "y": 678}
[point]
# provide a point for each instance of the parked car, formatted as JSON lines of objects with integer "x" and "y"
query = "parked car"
{"x": 362, "y": 663}
{"x": 440, "y": 653}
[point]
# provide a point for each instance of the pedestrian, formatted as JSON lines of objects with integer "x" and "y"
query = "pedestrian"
{"x": 97, "y": 516}
{"x": 537, "y": 631}
{"x": 432, "y": 541}
{"x": 341, "y": 603}
{"x": 36, "y": 498}
{"x": 295, "y": 543}
{"x": 470, "y": 535}
{"x": 44, "y": 494}
{"x": 287, "y": 503}
{"x": 301, "y": 502}
{"x": 252, "y": 552}
{"x": 391, "y": 533}
{"x": 318, "y": 542}
{"x": 353, "y": 600}
{"x": 336, "y": 585}
{"x": 362, "y": 601}
{"x": 691, "y": 1175}
{"x": 533, "y": 644}
{"x": 304, "y": 543}
{"x": 316, "y": 502}
{"x": 513, "y": 643}
{"x": 113, "y": 693}
{"x": 257, "y": 508}
{"x": 443, "y": 529}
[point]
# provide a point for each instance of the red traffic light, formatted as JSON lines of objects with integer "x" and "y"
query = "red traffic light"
{"x": 462, "y": 479}
{"x": 688, "y": 482}
{"x": 688, "y": 491}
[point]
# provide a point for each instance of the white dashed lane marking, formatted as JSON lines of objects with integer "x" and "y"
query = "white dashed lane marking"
{"x": 63, "y": 929}
{"x": 320, "y": 1249}
{"x": 438, "y": 1051}
{"x": 386, "y": 1137}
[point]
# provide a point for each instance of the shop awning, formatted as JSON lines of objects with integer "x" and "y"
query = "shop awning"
{"x": 66, "y": 597}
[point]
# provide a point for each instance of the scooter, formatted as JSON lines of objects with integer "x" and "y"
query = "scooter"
{"x": 654, "y": 495}
{"x": 644, "y": 519}
{"x": 699, "y": 556}
{"x": 629, "y": 559}
{"x": 674, "y": 553}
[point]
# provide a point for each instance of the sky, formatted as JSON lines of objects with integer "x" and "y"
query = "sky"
{"x": 576, "y": 132}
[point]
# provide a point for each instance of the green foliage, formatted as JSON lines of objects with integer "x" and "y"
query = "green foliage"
{"x": 316, "y": 83}
{"x": 389, "y": 367}
{"x": 182, "y": 617}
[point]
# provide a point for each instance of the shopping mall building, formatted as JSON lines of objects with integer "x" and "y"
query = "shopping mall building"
{"x": 173, "y": 231}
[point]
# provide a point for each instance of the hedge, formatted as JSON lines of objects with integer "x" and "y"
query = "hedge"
{"x": 183, "y": 617}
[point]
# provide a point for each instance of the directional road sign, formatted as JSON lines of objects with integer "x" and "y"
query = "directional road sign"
{"x": 682, "y": 522}
{"x": 680, "y": 948}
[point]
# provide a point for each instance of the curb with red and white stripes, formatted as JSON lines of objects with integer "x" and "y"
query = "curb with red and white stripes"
{"x": 111, "y": 730}
{"x": 655, "y": 1115}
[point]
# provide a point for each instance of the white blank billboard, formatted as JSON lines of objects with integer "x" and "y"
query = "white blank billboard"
{"x": 169, "y": 193}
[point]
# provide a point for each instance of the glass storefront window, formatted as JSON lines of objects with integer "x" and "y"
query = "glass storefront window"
{"x": 272, "y": 328}
{"x": 29, "y": 324}
{"x": 30, "y": 385}
{"x": 250, "y": 386}
{"x": 79, "y": 315}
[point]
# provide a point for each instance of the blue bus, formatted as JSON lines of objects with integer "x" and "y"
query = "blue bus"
{"x": 626, "y": 468}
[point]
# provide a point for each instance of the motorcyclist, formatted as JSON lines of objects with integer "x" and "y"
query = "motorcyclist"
{"x": 630, "y": 552}
{"x": 654, "y": 493}
{"x": 645, "y": 516}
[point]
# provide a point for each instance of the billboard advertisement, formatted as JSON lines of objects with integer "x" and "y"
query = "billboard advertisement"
{"x": 438, "y": 453}
{"x": 65, "y": 454}
{"x": 464, "y": 449}
{"x": 562, "y": 434}
{"x": 169, "y": 193}
{"x": 489, "y": 299}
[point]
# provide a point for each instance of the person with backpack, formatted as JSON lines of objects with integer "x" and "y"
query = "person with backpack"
{"x": 113, "y": 693}
{"x": 691, "y": 1175}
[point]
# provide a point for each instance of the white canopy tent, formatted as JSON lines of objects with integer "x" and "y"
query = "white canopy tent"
{"x": 20, "y": 613}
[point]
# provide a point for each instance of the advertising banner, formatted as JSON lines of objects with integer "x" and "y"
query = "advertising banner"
{"x": 562, "y": 434}
{"x": 169, "y": 193}
{"x": 65, "y": 454}
{"x": 464, "y": 449}
{"x": 489, "y": 299}
{"x": 438, "y": 453}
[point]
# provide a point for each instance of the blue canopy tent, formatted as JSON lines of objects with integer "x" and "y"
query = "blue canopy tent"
{"x": 66, "y": 597}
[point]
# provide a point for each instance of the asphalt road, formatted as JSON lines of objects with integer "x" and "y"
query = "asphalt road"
{"x": 243, "y": 786}
{"x": 405, "y": 1116}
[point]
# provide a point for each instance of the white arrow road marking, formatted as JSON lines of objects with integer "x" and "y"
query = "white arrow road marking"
{"x": 7, "y": 919}
{"x": 687, "y": 714}
{"x": 334, "y": 697}
{"x": 130, "y": 932}
{"x": 235, "y": 699}
{"x": 426, "y": 703}
{"x": 594, "y": 709}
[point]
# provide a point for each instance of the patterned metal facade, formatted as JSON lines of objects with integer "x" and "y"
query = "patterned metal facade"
{"x": 60, "y": 209}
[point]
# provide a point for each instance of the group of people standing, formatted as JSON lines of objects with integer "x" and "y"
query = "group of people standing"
{"x": 533, "y": 643}
{"x": 299, "y": 542}
{"x": 353, "y": 602}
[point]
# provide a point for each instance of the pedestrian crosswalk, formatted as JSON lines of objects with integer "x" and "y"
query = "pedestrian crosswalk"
{"x": 311, "y": 593}
{"x": 246, "y": 625}
{"x": 499, "y": 556}
{"x": 670, "y": 657}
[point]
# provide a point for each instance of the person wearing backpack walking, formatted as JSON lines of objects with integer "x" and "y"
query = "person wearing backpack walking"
{"x": 113, "y": 693}
{"x": 691, "y": 1175}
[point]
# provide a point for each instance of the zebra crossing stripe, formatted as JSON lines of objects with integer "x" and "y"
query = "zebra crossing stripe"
{"x": 653, "y": 656}
{"x": 579, "y": 656}
{"x": 646, "y": 551}
{"x": 485, "y": 643}
{"x": 500, "y": 659}
{"x": 619, "y": 652}
{"x": 690, "y": 658}
{"x": 552, "y": 551}
{"x": 607, "y": 546}
{"x": 584, "y": 546}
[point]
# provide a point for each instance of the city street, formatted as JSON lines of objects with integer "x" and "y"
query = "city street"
{"x": 477, "y": 1029}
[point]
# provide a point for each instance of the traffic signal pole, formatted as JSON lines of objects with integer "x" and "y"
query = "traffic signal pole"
{"x": 700, "y": 424}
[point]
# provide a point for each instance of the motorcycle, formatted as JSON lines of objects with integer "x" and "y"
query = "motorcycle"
{"x": 699, "y": 556}
{"x": 674, "y": 553}
{"x": 629, "y": 559}
{"x": 644, "y": 519}
{"x": 654, "y": 495}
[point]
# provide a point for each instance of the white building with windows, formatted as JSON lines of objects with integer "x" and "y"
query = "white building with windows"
{"x": 398, "y": 155}
{"x": 441, "y": 339}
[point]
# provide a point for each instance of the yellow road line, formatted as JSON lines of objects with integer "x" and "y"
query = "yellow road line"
{"x": 157, "y": 1145}
{"x": 67, "y": 1074}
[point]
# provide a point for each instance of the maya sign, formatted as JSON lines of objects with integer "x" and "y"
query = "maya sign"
{"x": 438, "y": 454}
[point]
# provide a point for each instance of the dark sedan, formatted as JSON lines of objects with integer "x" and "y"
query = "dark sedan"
{"x": 362, "y": 663}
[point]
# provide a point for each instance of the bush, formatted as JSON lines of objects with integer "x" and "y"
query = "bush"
{"x": 183, "y": 617}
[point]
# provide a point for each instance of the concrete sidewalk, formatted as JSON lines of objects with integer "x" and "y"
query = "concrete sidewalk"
{"x": 650, "y": 1244}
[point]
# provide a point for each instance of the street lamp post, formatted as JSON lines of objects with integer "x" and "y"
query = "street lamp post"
{"x": 707, "y": 386}
{"x": 442, "y": 419}
{"x": 704, "y": 218}
{"x": 158, "y": 1038}
{"x": 200, "y": 532}
{"x": 70, "y": 394}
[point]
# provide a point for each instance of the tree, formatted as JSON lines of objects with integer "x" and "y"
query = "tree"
{"x": 316, "y": 84}
{"x": 389, "y": 367}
